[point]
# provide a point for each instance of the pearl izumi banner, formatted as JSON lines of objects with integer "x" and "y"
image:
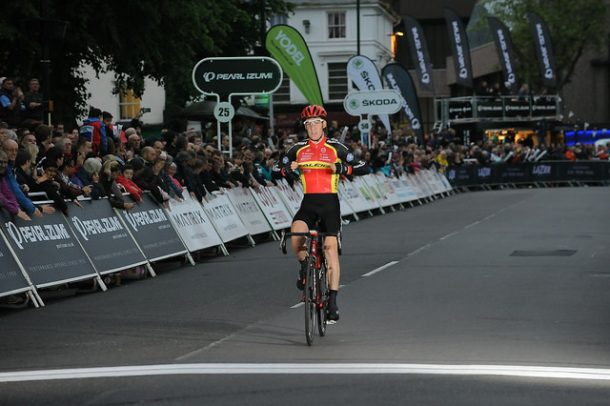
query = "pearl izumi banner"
{"x": 152, "y": 230}
{"x": 47, "y": 249}
{"x": 398, "y": 78}
{"x": 542, "y": 42}
{"x": 363, "y": 72}
{"x": 459, "y": 48}
{"x": 419, "y": 53}
{"x": 103, "y": 236}
{"x": 11, "y": 277}
{"x": 506, "y": 53}
{"x": 288, "y": 47}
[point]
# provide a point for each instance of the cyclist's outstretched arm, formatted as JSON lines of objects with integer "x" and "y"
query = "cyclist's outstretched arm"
{"x": 349, "y": 165}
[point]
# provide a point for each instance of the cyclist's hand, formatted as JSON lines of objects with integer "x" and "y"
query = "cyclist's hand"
{"x": 341, "y": 168}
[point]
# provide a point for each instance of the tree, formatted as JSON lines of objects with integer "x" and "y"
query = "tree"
{"x": 134, "y": 38}
{"x": 574, "y": 25}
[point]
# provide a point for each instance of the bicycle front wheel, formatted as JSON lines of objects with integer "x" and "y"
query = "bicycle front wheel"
{"x": 310, "y": 303}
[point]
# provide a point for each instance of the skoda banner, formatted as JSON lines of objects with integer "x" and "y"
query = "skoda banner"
{"x": 104, "y": 237}
{"x": 363, "y": 72}
{"x": 419, "y": 53}
{"x": 506, "y": 52}
{"x": 459, "y": 48}
{"x": 152, "y": 230}
{"x": 398, "y": 78}
{"x": 244, "y": 75}
{"x": 373, "y": 102}
{"x": 546, "y": 58}
{"x": 288, "y": 47}
{"x": 47, "y": 249}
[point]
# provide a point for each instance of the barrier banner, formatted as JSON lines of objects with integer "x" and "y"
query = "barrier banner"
{"x": 11, "y": 278}
{"x": 251, "y": 215}
{"x": 192, "y": 224}
{"x": 369, "y": 197}
{"x": 47, "y": 249}
{"x": 377, "y": 190}
{"x": 291, "y": 197}
{"x": 423, "y": 185}
{"x": 225, "y": 218}
{"x": 349, "y": 192}
{"x": 387, "y": 188}
{"x": 152, "y": 230}
{"x": 432, "y": 181}
{"x": 272, "y": 207}
{"x": 345, "y": 208}
{"x": 404, "y": 190}
{"x": 413, "y": 181}
{"x": 103, "y": 236}
{"x": 582, "y": 171}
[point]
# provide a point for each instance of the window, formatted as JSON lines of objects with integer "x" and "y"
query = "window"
{"x": 337, "y": 80}
{"x": 129, "y": 104}
{"x": 282, "y": 94}
{"x": 336, "y": 25}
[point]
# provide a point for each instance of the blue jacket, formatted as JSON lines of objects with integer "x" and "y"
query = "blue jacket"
{"x": 26, "y": 204}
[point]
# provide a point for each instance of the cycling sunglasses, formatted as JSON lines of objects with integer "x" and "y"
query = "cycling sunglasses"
{"x": 312, "y": 121}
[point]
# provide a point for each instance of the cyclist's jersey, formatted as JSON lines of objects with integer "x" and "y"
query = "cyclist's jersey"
{"x": 314, "y": 160}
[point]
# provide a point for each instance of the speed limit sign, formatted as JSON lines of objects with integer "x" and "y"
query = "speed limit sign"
{"x": 364, "y": 126}
{"x": 224, "y": 112}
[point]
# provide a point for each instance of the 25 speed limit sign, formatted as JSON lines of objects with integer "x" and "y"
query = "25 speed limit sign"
{"x": 224, "y": 112}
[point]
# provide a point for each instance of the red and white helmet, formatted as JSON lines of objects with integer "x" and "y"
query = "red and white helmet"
{"x": 313, "y": 111}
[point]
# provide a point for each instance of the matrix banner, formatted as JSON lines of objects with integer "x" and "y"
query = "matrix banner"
{"x": 506, "y": 53}
{"x": 419, "y": 53}
{"x": 47, "y": 249}
{"x": 192, "y": 223}
{"x": 546, "y": 58}
{"x": 11, "y": 278}
{"x": 153, "y": 230}
{"x": 459, "y": 48}
{"x": 289, "y": 48}
{"x": 398, "y": 78}
{"x": 363, "y": 72}
{"x": 103, "y": 236}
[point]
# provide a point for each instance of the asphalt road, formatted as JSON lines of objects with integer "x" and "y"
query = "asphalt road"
{"x": 496, "y": 297}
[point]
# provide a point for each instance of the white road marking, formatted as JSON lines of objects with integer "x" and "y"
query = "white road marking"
{"x": 448, "y": 235}
{"x": 420, "y": 249}
{"x": 309, "y": 369}
{"x": 297, "y": 305}
{"x": 381, "y": 268}
{"x": 472, "y": 224}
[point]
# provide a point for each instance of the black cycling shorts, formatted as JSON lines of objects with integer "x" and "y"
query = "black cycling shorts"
{"x": 322, "y": 207}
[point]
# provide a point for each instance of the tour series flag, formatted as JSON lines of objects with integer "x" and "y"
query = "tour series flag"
{"x": 363, "y": 72}
{"x": 289, "y": 49}
{"x": 546, "y": 58}
{"x": 419, "y": 52}
{"x": 460, "y": 48}
{"x": 506, "y": 52}
{"x": 398, "y": 78}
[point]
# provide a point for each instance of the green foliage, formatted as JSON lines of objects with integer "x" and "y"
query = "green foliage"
{"x": 574, "y": 26}
{"x": 161, "y": 39}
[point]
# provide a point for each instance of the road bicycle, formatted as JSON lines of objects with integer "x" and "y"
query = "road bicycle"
{"x": 316, "y": 290}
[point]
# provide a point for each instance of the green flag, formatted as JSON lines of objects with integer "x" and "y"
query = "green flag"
{"x": 288, "y": 47}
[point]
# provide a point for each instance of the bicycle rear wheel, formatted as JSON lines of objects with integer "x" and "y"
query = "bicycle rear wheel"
{"x": 310, "y": 303}
{"x": 322, "y": 302}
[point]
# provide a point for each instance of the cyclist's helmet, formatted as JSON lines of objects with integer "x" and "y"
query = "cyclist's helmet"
{"x": 313, "y": 111}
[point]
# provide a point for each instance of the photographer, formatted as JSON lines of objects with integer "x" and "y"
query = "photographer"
{"x": 34, "y": 105}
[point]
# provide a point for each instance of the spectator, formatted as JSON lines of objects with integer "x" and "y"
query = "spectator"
{"x": 7, "y": 199}
{"x": 109, "y": 131}
{"x": 46, "y": 183}
{"x": 111, "y": 170}
{"x": 94, "y": 130}
{"x": 11, "y": 102}
{"x": 34, "y": 106}
{"x": 125, "y": 182}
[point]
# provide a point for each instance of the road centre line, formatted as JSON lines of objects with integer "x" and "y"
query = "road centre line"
{"x": 574, "y": 373}
{"x": 381, "y": 268}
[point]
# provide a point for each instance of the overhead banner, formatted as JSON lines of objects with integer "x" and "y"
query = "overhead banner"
{"x": 459, "y": 48}
{"x": 363, "y": 72}
{"x": 248, "y": 210}
{"x": 225, "y": 219}
{"x": 152, "y": 230}
{"x": 47, "y": 249}
{"x": 373, "y": 102}
{"x": 11, "y": 277}
{"x": 288, "y": 47}
{"x": 103, "y": 236}
{"x": 544, "y": 50}
{"x": 398, "y": 78}
{"x": 506, "y": 53}
{"x": 419, "y": 52}
{"x": 192, "y": 223}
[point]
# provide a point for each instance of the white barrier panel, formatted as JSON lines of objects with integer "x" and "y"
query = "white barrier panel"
{"x": 226, "y": 220}
{"x": 376, "y": 190}
{"x": 404, "y": 190}
{"x": 364, "y": 191}
{"x": 250, "y": 214}
{"x": 291, "y": 197}
{"x": 433, "y": 181}
{"x": 444, "y": 181}
{"x": 192, "y": 224}
{"x": 349, "y": 195}
{"x": 416, "y": 185}
{"x": 272, "y": 207}
{"x": 386, "y": 187}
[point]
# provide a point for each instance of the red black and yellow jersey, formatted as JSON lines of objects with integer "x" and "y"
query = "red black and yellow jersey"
{"x": 316, "y": 160}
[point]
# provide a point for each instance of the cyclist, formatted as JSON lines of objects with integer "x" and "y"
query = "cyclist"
{"x": 321, "y": 161}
